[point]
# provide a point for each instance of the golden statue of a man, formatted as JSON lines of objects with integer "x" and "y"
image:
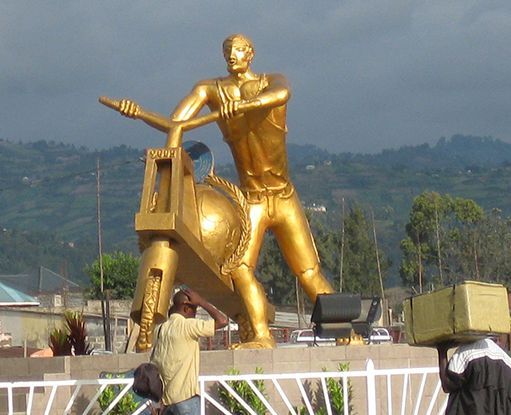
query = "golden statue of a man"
{"x": 257, "y": 139}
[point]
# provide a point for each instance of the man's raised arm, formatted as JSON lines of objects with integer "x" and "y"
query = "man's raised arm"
{"x": 448, "y": 385}
{"x": 220, "y": 319}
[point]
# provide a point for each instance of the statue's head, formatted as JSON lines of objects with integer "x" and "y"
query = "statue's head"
{"x": 238, "y": 53}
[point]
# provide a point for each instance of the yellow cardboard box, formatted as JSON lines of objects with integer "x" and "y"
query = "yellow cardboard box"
{"x": 463, "y": 312}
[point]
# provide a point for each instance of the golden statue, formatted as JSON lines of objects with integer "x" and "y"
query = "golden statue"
{"x": 250, "y": 110}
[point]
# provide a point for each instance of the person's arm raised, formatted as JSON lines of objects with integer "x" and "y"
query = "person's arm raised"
{"x": 448, "y": 385}
{"x": 220, "y": 319}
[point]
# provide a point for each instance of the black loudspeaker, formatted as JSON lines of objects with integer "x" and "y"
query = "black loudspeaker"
{"x": 336, "y": 308}
{"x": 333, "y": 313}
{"x": 332, "y": 330}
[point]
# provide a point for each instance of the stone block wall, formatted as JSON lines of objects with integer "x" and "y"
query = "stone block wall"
{"x": 280, "y": 360}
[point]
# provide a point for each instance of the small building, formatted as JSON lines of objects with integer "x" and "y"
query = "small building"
{"x": 316, "y": 208}
{"x": 11, "y": 298}
{"x": 34, "y": 305}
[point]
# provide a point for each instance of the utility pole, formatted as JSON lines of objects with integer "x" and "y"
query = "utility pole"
{"x": 476, "y": 260}
{"x": 300, "y": 307}
{"x": 298, "y": 316}
{"x": 105, "y": 308}
{"x": 419, "y": 260}
{"x": 342, "y": 246}
{"x": 377, "y": 256}
{"x": 65, "y": 288}
{"x": 439, "y": 253}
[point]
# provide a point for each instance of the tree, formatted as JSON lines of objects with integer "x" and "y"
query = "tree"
{"x": 328, "y": 242}
{"x": 21, "y": 251}
{"x": 422, "y": 247}
{"x": 465, "y": 236}
{"x": 120, "y": 272}
{"x": 274, "y": 274}
{"x": 360, "y": 269}
{"x": 442, "y": 240}
{"x": 360, "y": 265}
{"x": 494, "y": 248}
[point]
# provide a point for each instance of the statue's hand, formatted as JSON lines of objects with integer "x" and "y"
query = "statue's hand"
{"x": 129, "y": 108}
{"x": 229, "y": 109}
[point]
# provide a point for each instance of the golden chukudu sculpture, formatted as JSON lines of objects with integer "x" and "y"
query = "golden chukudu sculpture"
{"x": 250, "y": 110}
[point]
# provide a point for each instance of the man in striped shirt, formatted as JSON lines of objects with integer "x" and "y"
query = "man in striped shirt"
{"x": 477, "y": 378}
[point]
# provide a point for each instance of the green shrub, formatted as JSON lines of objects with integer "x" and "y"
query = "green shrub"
{"x": 335, "y": 394}
{"x": 244, "y": 390}
{"x": 72, "y": 340}
{"x": 59, "y": 343}
{"x": 126, "y": 404}
{"x": 75, "y": 323}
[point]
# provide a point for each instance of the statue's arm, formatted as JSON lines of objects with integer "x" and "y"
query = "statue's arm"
{"x": 190, "y": 105}
{"x": 277, "y": 93}
{"x": 183, "y": 117}
{"x": 155, "y": 120}
{"x": 131, "y": 109}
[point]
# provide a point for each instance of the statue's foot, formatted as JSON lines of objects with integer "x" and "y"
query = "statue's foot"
{"x": 244, "y": 328}
{"x": 255, "y": 343}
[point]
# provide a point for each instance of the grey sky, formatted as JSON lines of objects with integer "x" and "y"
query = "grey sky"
{"x": 366, "y": 75}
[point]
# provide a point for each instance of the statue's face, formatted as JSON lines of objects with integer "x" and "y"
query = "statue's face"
{"x": 238, "y": 56}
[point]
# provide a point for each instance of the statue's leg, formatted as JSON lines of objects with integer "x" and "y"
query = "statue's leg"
{"x": 297, "y": 245}
{"x": 249, "y": 288}
{"x": 254, "y": 298}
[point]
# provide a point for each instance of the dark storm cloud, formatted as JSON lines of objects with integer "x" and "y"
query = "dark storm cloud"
{"x": 366, "y": 75}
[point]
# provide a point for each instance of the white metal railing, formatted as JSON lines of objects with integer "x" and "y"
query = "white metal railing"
{"x": 371, "y": 389}
{"x": 52, "y": 387}
{"x": 413, "y": 400}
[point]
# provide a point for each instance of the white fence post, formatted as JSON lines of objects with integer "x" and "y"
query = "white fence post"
{"x": 371, "y": 388}
{"x": 370, "y": 374}
{"x": 202, "y": 397}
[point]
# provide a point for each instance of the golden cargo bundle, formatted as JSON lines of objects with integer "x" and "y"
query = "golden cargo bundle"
{"x": 463, "y": 312}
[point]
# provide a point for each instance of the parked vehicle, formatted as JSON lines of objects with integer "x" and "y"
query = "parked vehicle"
{"x": 305, "y": 337}
{"x": 380, "y": 335}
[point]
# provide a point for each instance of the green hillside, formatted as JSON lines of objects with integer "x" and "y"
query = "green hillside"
{"x": 49, "y": 189}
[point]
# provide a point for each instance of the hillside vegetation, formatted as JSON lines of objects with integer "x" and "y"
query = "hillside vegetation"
{"x": 48, "y": 193}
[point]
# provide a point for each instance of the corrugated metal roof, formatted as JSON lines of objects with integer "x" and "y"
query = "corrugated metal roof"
{"x": 42, "y": 280}
{"x": 11, "y": 297}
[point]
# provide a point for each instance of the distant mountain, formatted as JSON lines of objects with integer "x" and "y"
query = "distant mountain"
{"x": 306, "y": 154}
{"x": 48, "y": 188}
{"x": 51, "y": 187}
{"x": 458, "y": 152}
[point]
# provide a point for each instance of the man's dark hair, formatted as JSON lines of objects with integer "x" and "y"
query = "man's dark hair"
{"x": 180, "y": 298}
